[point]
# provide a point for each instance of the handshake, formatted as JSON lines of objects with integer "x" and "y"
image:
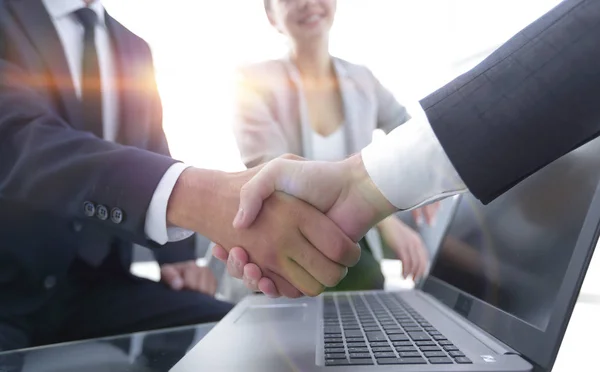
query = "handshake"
{"x": 289, "y": 227}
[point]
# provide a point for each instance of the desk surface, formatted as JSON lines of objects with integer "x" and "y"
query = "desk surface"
{"x": 158, "y": 351}
{"x": 155, "y": 351}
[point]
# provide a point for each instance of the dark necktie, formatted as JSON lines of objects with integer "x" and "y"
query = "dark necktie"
{"x": 91, "y": 89}
{"x": 96, "y": 248}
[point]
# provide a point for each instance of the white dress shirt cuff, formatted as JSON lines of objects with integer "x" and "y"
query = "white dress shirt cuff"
{"x": 410, "y": 167}
{"x": 156, "y": 218}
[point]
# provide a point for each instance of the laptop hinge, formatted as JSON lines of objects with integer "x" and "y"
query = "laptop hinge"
{"x": 493, "y": 343}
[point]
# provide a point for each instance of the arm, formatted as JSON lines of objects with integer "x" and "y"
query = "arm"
{"x": 40, "y": 152}
{"x": 180, "y": 243}
{"x": 390, "y": 113}
{"x": 530, "y": 102}
{"x": 258, "y": 135}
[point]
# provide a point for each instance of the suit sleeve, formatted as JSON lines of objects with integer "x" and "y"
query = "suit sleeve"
{"x": 530, "y": 102}
{"x": 182, "y": 250}
{"x": 258, "y": 135}
{"x": 48, "y": 165}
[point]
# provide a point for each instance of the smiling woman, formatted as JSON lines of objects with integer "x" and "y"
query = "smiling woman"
{"x": 413, "y": 46}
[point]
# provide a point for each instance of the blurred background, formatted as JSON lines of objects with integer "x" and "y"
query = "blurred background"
{"x": 412, "y": 46}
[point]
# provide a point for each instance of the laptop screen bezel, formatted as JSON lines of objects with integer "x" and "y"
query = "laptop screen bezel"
{"x": 538, "y": 346}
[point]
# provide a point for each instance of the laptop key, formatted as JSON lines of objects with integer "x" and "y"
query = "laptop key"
{"x": 334, "y": 350}
{"x": 351, "y": 327}
{"x": 463, "y": 360}
{"x": 329, "y": 330}
{"x": 355, "y": 339}
{"x": 371, "y": 329}
{"x": 385, "y": 361}
{"x": 334, "y": 340}
{"x": 361, "y": 362}
{"x": 335, "y": 356}
{"x": 434, "y": 354}
{"x": 402, "y": 343}
{"x": 358, "y": 349}
{"x": 382, "y": 349}
{"x": 336, "y": 362}
{"x": 449, "y": 347}
{"x": 429, "y": 348}
{"x": 444, "y": 360}
{"x": 334, "y": 345}
{"x": 409, "y": 354}
{"x": 384, "y": 355}
{"x": 353, "y": 333}
{"x": 419, "y": 336}
{"x": 394, "y": 331}
{"x": 402, "y": 337}
{"x": 439, "y": 338}
{"x": 356, "y": 344}
{"x": 445, "y": 342}
{"x": 412, "y": 329}
{"x": 375, "y": 336}
{"x": 360, "y": 355}
{"x": 379, "y": 343}
{"x": 456, "y": 353}
{"x": 406, "y": 349}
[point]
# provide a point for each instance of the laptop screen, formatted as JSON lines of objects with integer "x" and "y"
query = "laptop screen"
{"x": 513, "y": 253}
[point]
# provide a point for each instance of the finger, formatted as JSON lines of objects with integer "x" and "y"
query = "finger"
{"x": 192, "y": 278}
{"x": 250, "y": 275}
{"x": 406, "y": 261}
{"x": 282, "y": 286}
{"x": 267, "y": 286}
{"x": 253, "y": 272}
{"x": 208, "y": 282}
{"x": 170, "y": 275}
{"x": 429, "y": 213}
{"x": 326, "y": 236}
{"x": 234, "y": 268}
{"x": 220, "y": 253}
{"x": 282, "y": 174}
{"x": 317, "y": 264}
{"x": 423, "y": 258}
{"x": 254, "y": 192}
{"x": 301, "y": 279}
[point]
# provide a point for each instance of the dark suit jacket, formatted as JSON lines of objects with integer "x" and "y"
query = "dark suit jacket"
{"x": 533, "y": 100}
{"x": 49, "y": 167}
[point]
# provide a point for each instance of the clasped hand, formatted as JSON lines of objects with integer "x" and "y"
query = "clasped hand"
{"x": 342, "y": 190}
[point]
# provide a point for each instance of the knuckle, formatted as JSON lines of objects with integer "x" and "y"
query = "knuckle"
{"x": 315, "y": 290}
{"x": 338, "y": 274}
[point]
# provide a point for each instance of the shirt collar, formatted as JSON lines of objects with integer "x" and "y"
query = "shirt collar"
{"x": 64, "y": 8}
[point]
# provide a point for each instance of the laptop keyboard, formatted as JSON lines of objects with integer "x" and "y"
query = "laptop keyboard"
{"x": 380, "y": 328}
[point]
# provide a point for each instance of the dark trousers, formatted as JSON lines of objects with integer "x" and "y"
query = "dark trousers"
{"x": 106, "y": 301}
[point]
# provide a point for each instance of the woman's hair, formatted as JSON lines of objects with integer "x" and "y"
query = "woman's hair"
{"x": 267, "y": 5}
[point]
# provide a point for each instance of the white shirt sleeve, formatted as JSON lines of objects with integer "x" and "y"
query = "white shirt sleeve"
{"x": 410, "y": 168}
{"x": 156, "y": 217}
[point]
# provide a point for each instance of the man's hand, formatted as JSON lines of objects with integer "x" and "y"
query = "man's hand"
{"x": 188, "y": 275}
{"x": 342, "y": 190}
{"x": 297, "y": 246}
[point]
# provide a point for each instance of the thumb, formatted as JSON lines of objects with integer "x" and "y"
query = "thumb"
{"x": 170, "y": 275}
{"x": 254, "y": 192}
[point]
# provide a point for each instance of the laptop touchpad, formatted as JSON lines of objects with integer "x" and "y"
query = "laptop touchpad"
{"x": 273, "y": 313}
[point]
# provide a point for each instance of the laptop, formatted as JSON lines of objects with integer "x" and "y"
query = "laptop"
{"x": 497, "y": 298}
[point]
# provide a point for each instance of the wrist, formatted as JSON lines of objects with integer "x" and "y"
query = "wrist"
{"x": 360, "y": 205}
{"x": 206, "y": 201}
{"x": 377, "y": 206}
